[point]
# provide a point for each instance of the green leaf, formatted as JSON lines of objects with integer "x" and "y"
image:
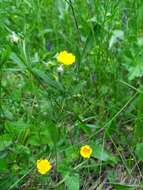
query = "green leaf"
{"x": 3, "y": 165}
{"x": 116, "y": 37}
{"x": 92, "y": 126}
{"x": 62, "y": 7}
{"x": 40, "y": 139}
{"x": 53, "y": 132}
{"x": 139, "y": 151}
{"x": 17, "y": 130}
{"x": 16, "y": 127}
{"x": 3, "y": 153}
{"x": 73, "y": 152}
{"x": 17, "y": 60}
{"x": 102, "y": 154}
{"x": 88, "y": 128}
{"x": 7, "y": 114}
{"x": 22, "y": 150}
{"x": 72, "y": 182}
{"x": 34, "y": 140}
{"x": 136, "y": 71}
{"x": 84, "y": 128}
{"x": 42, "y": 76}
{"x": 5, "y": 141}
{"x": 123, "y": 187}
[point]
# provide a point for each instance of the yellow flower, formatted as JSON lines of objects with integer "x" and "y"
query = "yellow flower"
{"x": 85, "y": 151}
{"x": 66, "y": 58}
{"x": 43, "y": 166}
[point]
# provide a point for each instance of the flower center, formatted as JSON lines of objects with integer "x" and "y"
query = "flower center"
{"x": 86, "y": 151}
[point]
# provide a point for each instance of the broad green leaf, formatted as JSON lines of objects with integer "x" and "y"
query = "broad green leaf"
{"x": 16, "y": 126}
{"x": 53, "y": 132}
{"x": 116, "y": 37}
{"x": 136, "y": 71}
{"x": 73, "y": 152}
{"x": 5, "y": 141}
{"x": 139, "y": 151}
{"x": 40, "y": 139}
{"x": 72, "y": 182}
{"x": 3, "y": 153}
{"x": 140, "y": 41}
{"x": 64, "y": 167}
{"x": 3, "y": 165}
{"x": 62, "y": 7}
{"x": 103, "y": 155}
{"x": 7, "y": 114}
{"x": 34, "y": 140}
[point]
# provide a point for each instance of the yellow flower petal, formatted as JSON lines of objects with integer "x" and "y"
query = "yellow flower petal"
{"x": 66, "y": 58}
{"x": 43, "y": 166}
{"x": 86, "y": 151}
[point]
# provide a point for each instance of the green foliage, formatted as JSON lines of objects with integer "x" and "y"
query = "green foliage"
{"x": 72, "y": 182}
{"x": 49, "y": 112}
{"x": 101, "y": 154}
{"x": 123, "y": 187}
{"x": 139, "y": 151}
